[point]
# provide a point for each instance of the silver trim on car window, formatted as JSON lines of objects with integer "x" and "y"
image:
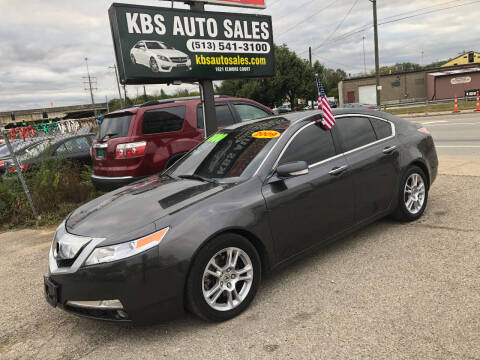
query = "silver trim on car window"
{"x": 275, "y": 145}
{"x": 341, "y": 154}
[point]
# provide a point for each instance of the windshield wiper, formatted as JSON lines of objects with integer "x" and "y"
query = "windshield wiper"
{"x": 197, "y": 177}
{"x": 109, "y": 135}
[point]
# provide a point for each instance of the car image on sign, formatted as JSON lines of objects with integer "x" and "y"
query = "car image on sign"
{"x": 159, "y": 56}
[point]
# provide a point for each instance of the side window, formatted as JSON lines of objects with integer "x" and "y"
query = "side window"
{"x": 163, "y": 120}
{"x": 355, "y": 132}
{"x": 382, "y": 129}
{"x": 250, "y": 112}
{"x": 224, "y": 116}
{"x": 312, "y": 144}
{"x": 62, "y": 150}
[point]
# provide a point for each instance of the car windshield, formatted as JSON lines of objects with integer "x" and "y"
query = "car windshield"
{"x": 115, "y": 125}
{"x": 157, "y": 45}
{"x": 231, "y": 155}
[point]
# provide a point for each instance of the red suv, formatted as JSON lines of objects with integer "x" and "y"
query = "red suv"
{"x": 140, "y": 141}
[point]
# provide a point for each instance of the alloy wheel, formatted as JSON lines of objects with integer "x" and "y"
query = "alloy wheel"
{"x": 227, "y": 279}
{"x": 414, "y": 193}
{"x": 153, "y": 65}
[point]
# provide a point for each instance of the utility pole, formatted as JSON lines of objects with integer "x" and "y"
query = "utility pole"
{"x": 364, "y": 61}
{"x": 118, "y": 84}
{"x": 90, "y": 79}
{"x": 310, "y": 55}
{"x": 207, "y": 94}
{"x": 377, "y": 62}
{"x": 144, "y": 93}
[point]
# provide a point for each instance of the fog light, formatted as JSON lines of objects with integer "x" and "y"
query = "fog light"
{"x": 122, "y": 314}
{"x": 98, "y": 304}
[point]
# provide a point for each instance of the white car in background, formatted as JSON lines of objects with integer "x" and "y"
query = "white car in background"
{"x": 159, "y": 56}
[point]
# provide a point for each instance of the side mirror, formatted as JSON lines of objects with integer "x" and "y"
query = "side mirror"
{"x": 295, "y": 168}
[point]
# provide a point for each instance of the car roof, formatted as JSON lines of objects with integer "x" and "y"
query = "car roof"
{"x": 311, "y": 115}
{"x": 157, "y": 103}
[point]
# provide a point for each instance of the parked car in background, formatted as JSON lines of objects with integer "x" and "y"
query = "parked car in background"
{"x": 244, "y": 203}
{"x": 159, "y": 56}
{"x": 20, "y": 147}
{"x": 359, "y": 106}
{"x": 140, "y": 141}
{"x": 73, "y": 148}
{"x": 282, "y": 109}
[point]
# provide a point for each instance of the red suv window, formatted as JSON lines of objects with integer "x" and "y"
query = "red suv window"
{"x": 163, "y": 120}
{"x": 224, "y": 116}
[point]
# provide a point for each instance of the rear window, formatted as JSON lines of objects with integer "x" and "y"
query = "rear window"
{"x": 382, "y": 129}
{"x": 115, "y": 126}
{"x": 163, "y": 120}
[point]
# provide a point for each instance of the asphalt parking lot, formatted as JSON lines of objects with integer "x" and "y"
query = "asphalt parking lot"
{"x": 391, "y": 291}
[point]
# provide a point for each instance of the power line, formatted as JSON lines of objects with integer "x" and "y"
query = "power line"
{"x": 340, "y": 23}
{"x": 308, "y": 18}
{"x": 363, "y": 28}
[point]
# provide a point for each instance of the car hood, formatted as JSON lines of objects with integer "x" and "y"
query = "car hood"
{"x": 138, "y": 205}
{"x": 168, "y": 52}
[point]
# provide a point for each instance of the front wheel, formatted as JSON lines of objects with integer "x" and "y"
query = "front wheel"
{"x": 413, "y": 195}
{"x": 224, "y": 278}
{"x": 154, "y": 65}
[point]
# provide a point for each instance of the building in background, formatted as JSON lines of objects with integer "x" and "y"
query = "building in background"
{"x": 52, "y": 113}
{"x": 432, "y": 84}
{"x": 470, "y": 57}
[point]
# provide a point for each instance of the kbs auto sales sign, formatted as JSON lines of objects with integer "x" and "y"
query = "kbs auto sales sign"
{"x": 159, "y": 45}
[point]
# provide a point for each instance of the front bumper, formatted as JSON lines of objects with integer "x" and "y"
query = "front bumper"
{"x": 146, "y": 289}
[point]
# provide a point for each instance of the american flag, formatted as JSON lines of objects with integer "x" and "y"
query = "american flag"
{"x": 328, "y": 118}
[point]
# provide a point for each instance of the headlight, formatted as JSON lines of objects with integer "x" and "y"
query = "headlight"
{"x": 164, "y": 58}
{"x": 121, "y": 251}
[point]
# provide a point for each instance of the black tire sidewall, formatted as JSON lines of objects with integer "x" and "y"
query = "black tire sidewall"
{"x": 195, "y": 300}
{"x": 151, "y": 68}
{"x": 404, "y": 214}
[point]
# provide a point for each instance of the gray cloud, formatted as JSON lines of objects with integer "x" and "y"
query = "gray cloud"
{"x": 43, "y": 43}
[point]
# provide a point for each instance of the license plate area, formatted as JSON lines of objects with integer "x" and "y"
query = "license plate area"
{"x": 50, "y": 291}
{"x": 101, "y": 153}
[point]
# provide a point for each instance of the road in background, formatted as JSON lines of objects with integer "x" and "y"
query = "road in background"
{"x": 455, "y": 134}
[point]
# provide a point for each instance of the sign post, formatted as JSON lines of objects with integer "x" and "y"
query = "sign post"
{"x": 207, "y": 94}
{"x": 156, "y": 45}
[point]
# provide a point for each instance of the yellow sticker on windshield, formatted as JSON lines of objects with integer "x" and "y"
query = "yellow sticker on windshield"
{"x": 266, "y": 134}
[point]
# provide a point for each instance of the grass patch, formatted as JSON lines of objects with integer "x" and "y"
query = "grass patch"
{"x": 57, "y": 187}
{"x": 432, "y": 108}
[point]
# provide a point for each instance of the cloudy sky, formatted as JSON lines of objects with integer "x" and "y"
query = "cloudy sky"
{"x": 43, "y": 43}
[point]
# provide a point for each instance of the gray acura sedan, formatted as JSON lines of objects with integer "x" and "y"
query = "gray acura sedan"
{"x": 251, "y": 198}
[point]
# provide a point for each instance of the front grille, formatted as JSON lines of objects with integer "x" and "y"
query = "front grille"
{"x": 179, "y": 59}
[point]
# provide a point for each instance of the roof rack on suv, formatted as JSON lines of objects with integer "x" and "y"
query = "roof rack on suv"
{"x": 172, "y": 100}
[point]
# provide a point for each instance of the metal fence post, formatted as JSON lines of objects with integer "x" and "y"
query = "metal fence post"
{"x": 19, "y": 171}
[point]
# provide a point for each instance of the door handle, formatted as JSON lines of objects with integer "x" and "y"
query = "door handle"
{"x": 389, "y": 149}
{"x": 338, "y": 170}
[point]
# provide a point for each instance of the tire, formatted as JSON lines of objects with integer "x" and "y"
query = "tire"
{"x": 201, "y": 284}
{"x": 412, "y": 205}
{"x": 154, "y": 65}
{"x": 132, "y": 57}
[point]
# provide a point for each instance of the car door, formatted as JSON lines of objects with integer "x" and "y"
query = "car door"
{"x": 141, "y": 54}
{"x": 371, "y": 151}
{"x": 309, "y": 209}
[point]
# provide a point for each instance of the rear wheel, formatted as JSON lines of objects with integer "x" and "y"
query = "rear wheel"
{"x": 224, "y": 278}
{"x": 413, "y": 195}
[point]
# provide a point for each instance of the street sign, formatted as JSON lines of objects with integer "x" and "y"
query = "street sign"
{"x": 156, "y": 45}
{"x": 259, "y": 4}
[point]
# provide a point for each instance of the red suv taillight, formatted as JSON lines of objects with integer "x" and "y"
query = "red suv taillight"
{"x": 130, "y": 150}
